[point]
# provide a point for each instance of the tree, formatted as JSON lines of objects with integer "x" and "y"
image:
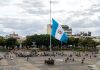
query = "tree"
{"x": 41, "y": 40}
{"x": 44, "y": 40}
{"x": 87, "y": 43}
{"x": 2, "y": 41}
{"x": 11, "y": 43}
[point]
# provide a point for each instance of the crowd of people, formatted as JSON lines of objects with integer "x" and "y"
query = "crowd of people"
{"x": 70, "y": 56}
{"x": 82, "y": 56}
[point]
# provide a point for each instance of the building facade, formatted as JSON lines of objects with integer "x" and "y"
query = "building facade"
{"x": 48, "y": 29}
{"x": 13, "y": 35}
{"x": 83, "y": 34}
{"x": 66, "y": 29}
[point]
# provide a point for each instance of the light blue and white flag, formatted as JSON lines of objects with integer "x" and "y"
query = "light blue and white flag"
{"x": 58, "y": 32}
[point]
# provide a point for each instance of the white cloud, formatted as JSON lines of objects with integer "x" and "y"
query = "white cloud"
{"x": 32, "y": 16}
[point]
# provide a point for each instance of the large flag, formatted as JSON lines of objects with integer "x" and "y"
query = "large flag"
{"x": 58, "y": 32}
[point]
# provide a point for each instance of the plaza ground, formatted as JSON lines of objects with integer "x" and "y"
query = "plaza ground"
{"x": 37, "y": 63}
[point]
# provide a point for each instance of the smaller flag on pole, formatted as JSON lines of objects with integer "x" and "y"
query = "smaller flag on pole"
{"x": 58, "y": 32}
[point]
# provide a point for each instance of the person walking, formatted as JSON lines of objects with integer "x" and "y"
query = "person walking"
{"x": 27, "y": 58}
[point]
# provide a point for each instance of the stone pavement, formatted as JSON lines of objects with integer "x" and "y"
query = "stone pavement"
{"x": 59, "y": 65}
{"x": 18, "y": 64}
{"x": 37, "y": 63}
{"x": 3, "y": 62}
{"x": 24, "y": 65}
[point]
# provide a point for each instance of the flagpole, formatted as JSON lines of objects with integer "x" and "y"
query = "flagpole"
{"x": 51, "y": 28}
{"x": 61, "y": 45}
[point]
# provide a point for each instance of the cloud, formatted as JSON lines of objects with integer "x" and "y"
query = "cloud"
{"x": 32, "y": 16}
{"x": 85, "y": 20}
{"x": 37, "y": 7}
{"x": 4, "y": 2}
{"x": 54, "y": 1}
{"x": 25, "y": 26}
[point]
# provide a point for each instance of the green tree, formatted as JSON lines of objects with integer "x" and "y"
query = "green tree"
{"x": 87, "y": 43}
{"x": 11, "y": 43}
{"x": 41, "y": 40}
{"x": 2, "y": 41}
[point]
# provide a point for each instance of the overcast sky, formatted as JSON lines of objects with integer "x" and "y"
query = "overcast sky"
{"x": 27, "y": 17}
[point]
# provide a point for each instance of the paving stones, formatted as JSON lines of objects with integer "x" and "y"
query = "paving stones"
{"x": 3, "y": 62}
{"x": 24, "y": 65}
{"x": 37, "y": 63}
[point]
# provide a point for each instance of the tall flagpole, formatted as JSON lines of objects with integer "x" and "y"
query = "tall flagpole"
{"x": 61, "y": 45}
{"x": 51, "y": 28}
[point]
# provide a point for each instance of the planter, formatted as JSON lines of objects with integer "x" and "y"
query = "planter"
{"x": 49, "y": 62}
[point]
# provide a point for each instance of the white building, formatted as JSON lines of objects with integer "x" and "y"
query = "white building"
{"x": 95, "y": 38}
{"x": 65, "y": 28}
{"x": 14, "y": 35}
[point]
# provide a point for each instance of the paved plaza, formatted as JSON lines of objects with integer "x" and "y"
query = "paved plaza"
{"x": 37, "y": 63}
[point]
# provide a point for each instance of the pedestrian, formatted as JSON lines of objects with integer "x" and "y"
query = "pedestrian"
{"x": 27, "y": 58}
{"x": 84, "y": 58}
{"x": 73, "y": 59}
{"x": 90, "y": 56}
{"x": 82, "y": 61}
{"x": 67, "y": 58}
